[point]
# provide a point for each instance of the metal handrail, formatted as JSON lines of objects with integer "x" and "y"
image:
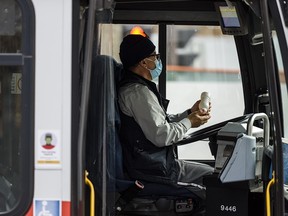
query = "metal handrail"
{"x": 250, "y": 124}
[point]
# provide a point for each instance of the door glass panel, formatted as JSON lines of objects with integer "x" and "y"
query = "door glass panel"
{"x": 200, "y": 58}
{"x": 11, "y": 27}
{"x": 16, "y": 109}
{"x": 284, "y": 97}
{"x": 10, "y": 130}
{"x": 283, "y": 84}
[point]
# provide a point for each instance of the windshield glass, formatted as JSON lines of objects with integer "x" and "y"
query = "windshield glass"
{"x": 202, "y": 59}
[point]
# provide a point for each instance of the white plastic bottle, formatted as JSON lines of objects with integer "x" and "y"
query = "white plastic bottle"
{"x": 204, "y": 103}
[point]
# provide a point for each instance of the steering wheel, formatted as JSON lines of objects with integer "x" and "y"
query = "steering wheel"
{"x": 211, "y": 130}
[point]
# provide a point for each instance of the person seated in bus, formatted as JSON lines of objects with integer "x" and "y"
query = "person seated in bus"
{"x": 147, "y": 132}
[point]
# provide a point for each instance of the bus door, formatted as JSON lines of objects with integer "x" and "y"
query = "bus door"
{"x": 279, "y": 15}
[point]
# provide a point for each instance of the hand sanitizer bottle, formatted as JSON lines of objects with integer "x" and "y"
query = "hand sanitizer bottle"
{"x": 204, "y": 103}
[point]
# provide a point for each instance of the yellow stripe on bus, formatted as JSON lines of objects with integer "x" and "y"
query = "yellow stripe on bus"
{"x": 48, "y": 162}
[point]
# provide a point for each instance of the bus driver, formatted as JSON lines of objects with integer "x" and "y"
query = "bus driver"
{"x": 147, "y": 132}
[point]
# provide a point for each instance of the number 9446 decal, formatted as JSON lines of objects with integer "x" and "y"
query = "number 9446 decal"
{"x": 228, "y": 208}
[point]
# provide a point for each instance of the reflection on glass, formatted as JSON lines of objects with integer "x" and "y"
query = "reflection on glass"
{"x": 10, "y": 125}
{"x": 283, "y": 82}
{"x": 11, "y": 27}
{"x": 284, "y": 97}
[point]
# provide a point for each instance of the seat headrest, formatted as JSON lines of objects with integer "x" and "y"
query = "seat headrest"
{"x": 105, "y": 62}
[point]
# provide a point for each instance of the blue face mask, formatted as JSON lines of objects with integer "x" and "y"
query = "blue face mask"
{"x": 157, "y": 70}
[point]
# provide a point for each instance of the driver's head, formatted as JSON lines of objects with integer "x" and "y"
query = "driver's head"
{"x": 134, "y": 48}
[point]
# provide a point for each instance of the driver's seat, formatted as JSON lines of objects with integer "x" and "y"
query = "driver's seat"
{"x": 117, "y": 194}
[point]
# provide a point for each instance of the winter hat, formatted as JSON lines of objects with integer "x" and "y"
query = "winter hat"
{"x": 134, "y": 48}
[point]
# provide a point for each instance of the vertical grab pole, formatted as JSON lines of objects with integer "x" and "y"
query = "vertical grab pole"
{"x": 275, "y": 112}
{"x": 92, "y": 194}
{"x": 250, "y": 124}
{"x": 84, "y": 106}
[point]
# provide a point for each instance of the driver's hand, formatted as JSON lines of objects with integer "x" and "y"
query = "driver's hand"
{"x": 198, "y": 118}
{"x": 195, "y": 107}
